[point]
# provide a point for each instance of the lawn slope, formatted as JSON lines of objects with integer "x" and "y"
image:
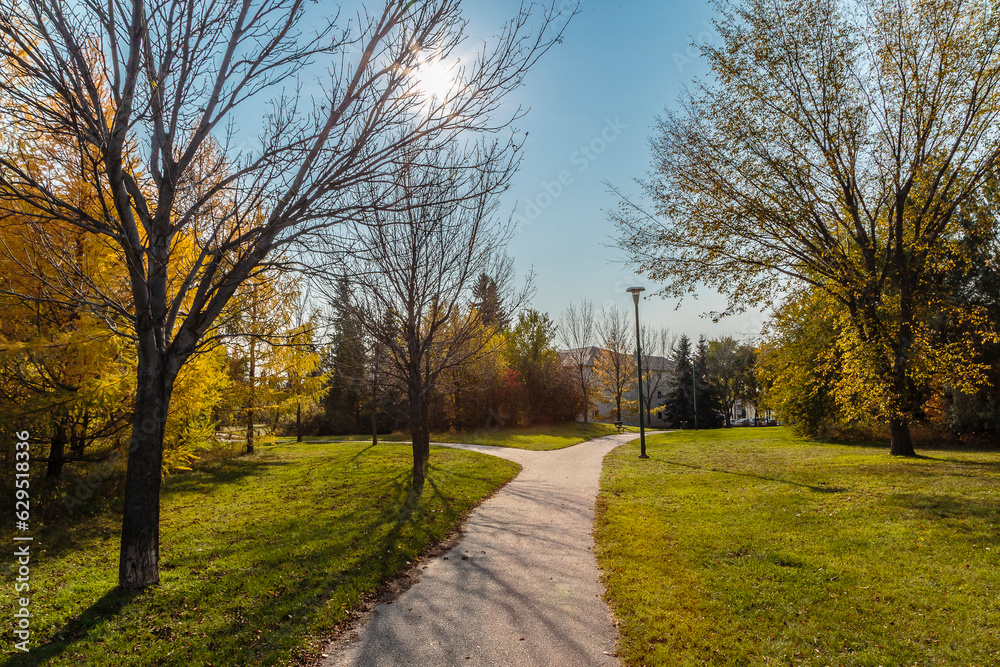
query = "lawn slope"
{"x": 261, "y": 557}
{"x": 754, "y": 547}
{"x": 537, "y": 437}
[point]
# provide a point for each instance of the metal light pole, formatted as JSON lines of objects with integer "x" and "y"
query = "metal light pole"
{"x": 634, "y": 291}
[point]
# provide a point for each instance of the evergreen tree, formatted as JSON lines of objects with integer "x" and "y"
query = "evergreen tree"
{"x": 486, "y": 299}
{"x": 678, "y": 405}
{"x": 346, "y": 361}
{"x": 691, "y": 379}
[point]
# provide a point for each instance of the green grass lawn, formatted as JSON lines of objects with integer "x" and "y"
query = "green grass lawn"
{"x": 538, "y": 437}
{"x": 382, "y": 437}
{"x": 754, "y": 547}
{"x": 261, "y": 557}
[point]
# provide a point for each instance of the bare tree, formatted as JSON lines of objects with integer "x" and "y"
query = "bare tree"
{"x": 578, "y": 333}
{"x": 145, "y": 93}
{"x": 614, "y": 368}
{"x": 412, "y": 274}
{"x": 657, "y": 342}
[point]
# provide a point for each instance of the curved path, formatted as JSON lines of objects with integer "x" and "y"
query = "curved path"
{"x": 520, "y": 588}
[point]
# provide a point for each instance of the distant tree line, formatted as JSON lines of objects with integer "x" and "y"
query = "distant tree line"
{"x": 705, "y": 386}
{"x": 510, "y": 373}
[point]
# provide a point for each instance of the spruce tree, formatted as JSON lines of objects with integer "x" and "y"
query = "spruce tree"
{"x": 486, "y": 299}
{"x": 346, "y": 359}
{"x": 678, "y": 404}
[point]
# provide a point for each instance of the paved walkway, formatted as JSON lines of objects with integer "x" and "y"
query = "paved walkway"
{"x": 519, "y": 589}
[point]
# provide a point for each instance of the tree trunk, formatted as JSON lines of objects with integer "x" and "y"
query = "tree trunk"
{"x": 375, "y": 411}
{"x": 420, "y": 436}
{"x": 298, "y": 422}
{"x": 902, "y": 444}
{"x": 252, "y": 395}
{"x": 375, "y": 399}
{"x": 78, "y": 441}
{"x": 899, "y": 429}
{"x": 138, "y": 565}
{"x": 250, "y": 427}
{"x": 57, "y": 450}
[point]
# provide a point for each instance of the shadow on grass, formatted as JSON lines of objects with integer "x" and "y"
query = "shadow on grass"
{"x": 941, "y": 506}
{"x": 266, "y": 583}
{"x": 962, "y": 462}
{"x": 77, "y": 628}
{"x": 203, "y": 478}
{"x": 361, "y": 451}
{"x": 975, "y": 446}
{"x": 90, "y": 519}
{"x": 817, "y": 489}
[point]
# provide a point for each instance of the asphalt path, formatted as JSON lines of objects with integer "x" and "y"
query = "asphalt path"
{"x": 520, "y": 587}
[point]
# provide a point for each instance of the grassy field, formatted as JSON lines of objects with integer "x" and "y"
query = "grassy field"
{"x": 261, "y": 557}
{"x": 539, "y": 437}
{"x": 754, "y": 547}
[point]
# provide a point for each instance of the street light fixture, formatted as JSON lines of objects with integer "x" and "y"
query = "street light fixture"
{"x": 634, "y": 291}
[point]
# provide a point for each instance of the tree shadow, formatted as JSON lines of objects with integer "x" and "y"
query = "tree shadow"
{"x": 77, "y": 628}
{"x": 961, "y": 462}
{"x": 944, "y": 506}
{"x": 205, "y": 477}
{"x": 361, "y": 451}
{"x": 282, "y": 572}
{"x": 817, "y": 489}
{"x": 74, "y": 529}
{"x": 293, "y": 568}
{"x": 972, "y": 446}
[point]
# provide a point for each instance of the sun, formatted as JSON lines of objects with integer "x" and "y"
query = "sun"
{"x": 436, "y": 80}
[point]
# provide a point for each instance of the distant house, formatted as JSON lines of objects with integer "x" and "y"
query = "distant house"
{"x": 603, "y": 412}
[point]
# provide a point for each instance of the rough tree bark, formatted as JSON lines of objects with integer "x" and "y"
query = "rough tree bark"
{"x": 138, "y": 564}
{"x": 419, "y": 434}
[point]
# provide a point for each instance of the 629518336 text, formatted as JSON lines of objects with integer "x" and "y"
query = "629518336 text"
{"x": 22, "y": 542}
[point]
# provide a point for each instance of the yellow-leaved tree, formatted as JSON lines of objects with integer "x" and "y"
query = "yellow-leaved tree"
{"x": 841, "y": 151}
{"x": 273, "y": 359}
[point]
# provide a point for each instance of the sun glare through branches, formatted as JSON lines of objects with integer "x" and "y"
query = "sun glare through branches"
{"x": 436, "y": 81}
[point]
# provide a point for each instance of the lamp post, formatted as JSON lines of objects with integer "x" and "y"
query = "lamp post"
{"x": 634, "y": 291}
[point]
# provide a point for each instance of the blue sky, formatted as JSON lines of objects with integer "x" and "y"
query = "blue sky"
{"x": 620, "y": 65}
{"x": 592, "y": 104}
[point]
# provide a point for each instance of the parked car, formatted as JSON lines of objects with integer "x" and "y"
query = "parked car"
{"x": 743, "y": 422}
